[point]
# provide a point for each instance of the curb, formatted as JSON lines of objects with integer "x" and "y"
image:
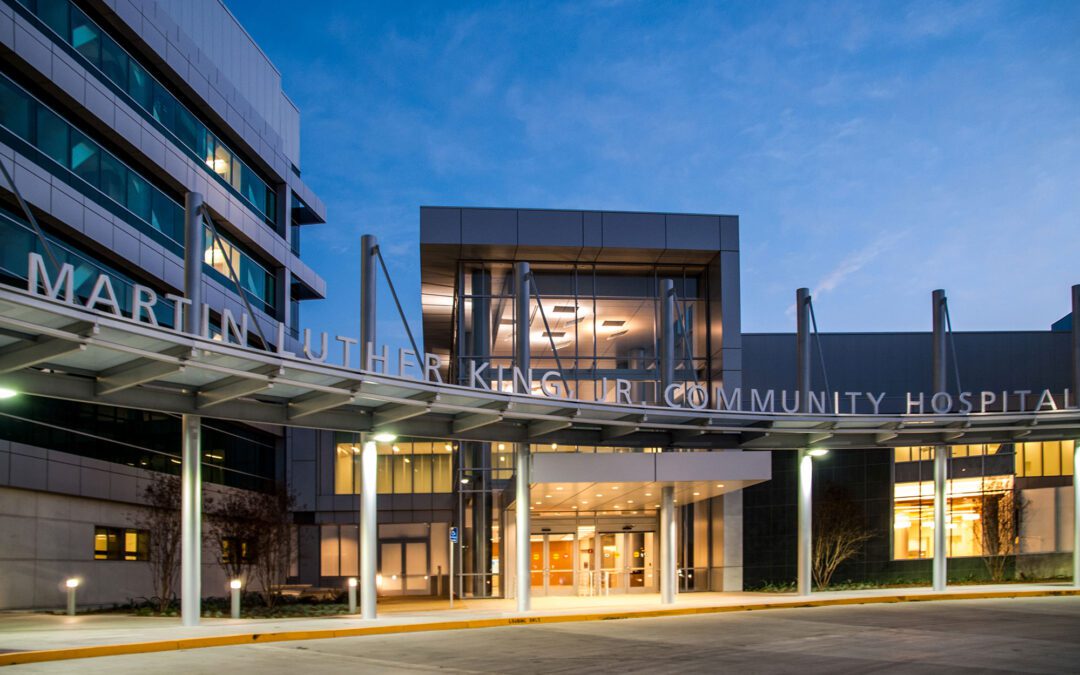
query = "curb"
{"x": 40, "y": 656}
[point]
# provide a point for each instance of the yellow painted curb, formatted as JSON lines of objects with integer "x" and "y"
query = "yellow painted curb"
{"x": 15, "y": 658}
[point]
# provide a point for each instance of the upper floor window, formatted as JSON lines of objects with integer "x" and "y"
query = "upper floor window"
{"x": 119, "y": 68}
{"x": 155, "y": 212}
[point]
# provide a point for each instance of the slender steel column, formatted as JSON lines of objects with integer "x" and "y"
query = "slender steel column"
{"x": 369, "y": 529}
{"x": 805, "y": 544}
{"x": 669, "y": 579}
{"x": 667, "y": 338}
{"x": 368, "y": 292}
{"x": 522, "y": 292}
{"x": 1076, "y": 442}
{"x": 191, "y": 427}
{"x": 804, "y": 547}
{"x": 941, "y": 452}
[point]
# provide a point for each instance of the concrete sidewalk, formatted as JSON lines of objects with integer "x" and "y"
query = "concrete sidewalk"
{"x": 28, "y": 637}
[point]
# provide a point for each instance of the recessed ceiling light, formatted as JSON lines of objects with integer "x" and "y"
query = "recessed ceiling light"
{"x": 697, "y": 494}
{"x": 648, "y": 494}
{"x": 564, "y": 309}
{"x": 547, "y": 496}
{"x": 555, "y": 334}
{"x": 612, "y": 323}
{"x": 719, "y": 485}
{"x": 614, "y": 487}
{"x": 599, "y": 495}
{"x": 559, "y": 488}
{"x": 629, "y": 501}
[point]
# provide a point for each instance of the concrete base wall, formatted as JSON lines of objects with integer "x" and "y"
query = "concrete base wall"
{"x": 46, "y": 538}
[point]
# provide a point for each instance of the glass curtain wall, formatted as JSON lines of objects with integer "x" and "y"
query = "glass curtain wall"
{"x": 591, "y": 323}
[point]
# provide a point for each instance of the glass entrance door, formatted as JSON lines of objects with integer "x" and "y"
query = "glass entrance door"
{"x": 403, "y": 567}
{"x": 618, "y": 562}
{"x": 551, "y": 563}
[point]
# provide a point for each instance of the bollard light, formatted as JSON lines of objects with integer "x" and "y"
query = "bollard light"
{"x": 71, "y": 585}
{"x": 235, "y": 585}
{"x": 352, "y": 595}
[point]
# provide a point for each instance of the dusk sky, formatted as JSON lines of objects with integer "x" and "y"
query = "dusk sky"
{"x": 873, "y": 151}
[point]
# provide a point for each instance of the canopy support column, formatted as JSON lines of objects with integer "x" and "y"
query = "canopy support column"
{"x": 804, "y": 548}
{"x": 522, "y": 294}
{"x": 369, "y": 529}
{"x": 191, "y": 426}
{"x": 1076, "y": 442}
{"x": 669, "y": 576}
{"x": 941, "y": 452}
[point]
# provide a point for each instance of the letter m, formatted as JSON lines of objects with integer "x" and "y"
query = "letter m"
{"x": 38, "y": 275}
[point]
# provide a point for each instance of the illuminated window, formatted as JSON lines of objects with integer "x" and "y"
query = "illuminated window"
{"x": 233, "y": 546}
{"x": 116, "y": 543}
{"x": 402, "y": 467}
{"x": 1049, "y": 458}
{"x": 969, "y": 500}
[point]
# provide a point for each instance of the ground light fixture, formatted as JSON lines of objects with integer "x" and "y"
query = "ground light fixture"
{"x": 234, "y": 590}
{"x": 352, "y": 595}
{"x": 817, "y": 452}
{"x": 385, "y": 437}
{"x": 7, "y": 392}
{"x": 71, "y": 584}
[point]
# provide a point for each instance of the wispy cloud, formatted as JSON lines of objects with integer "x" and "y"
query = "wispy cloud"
{"x": 851, "y": 264}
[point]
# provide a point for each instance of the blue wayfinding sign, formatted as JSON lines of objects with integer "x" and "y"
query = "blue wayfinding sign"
{"x": 453, "y": 535}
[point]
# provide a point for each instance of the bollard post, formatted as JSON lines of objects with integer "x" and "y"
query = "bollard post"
{"x": 234, "y": 589}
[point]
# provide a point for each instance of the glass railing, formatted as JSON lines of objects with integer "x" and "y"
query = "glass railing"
{"x": 108, "y": 58}
{"x": 34, "y": 123}
{"x": 19, "y": 239}
{"x": 145, "y": 206}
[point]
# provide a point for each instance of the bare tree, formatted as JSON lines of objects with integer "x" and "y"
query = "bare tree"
{"x": 839, "y": 533}
{"x": 161, "y": 518}
{"x": 234, "y": 524}
{"x": 1000, "y": 513}
{"x": 274, "y": 546}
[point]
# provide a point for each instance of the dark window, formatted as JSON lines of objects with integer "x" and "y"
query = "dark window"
{"x": 118, "y": 543}
{"x": 52, "y": 135}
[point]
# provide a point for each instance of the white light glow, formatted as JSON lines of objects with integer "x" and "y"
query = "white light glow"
{"x": 385, "y": 437}
{"x": 72, "y": 583}
{"x": 235, "y": 584}
{"x": 6, "y": 392}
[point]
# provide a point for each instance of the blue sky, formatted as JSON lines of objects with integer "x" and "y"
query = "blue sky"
{"x": 873, "y": 151}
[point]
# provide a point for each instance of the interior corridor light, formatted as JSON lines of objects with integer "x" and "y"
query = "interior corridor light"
{"x": 817, "y": 452}
{"x": 385, "y": 437}
{"x": 6, "y": 392}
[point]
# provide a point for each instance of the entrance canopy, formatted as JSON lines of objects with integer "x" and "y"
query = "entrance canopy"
{"x": 53, "y": 349}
